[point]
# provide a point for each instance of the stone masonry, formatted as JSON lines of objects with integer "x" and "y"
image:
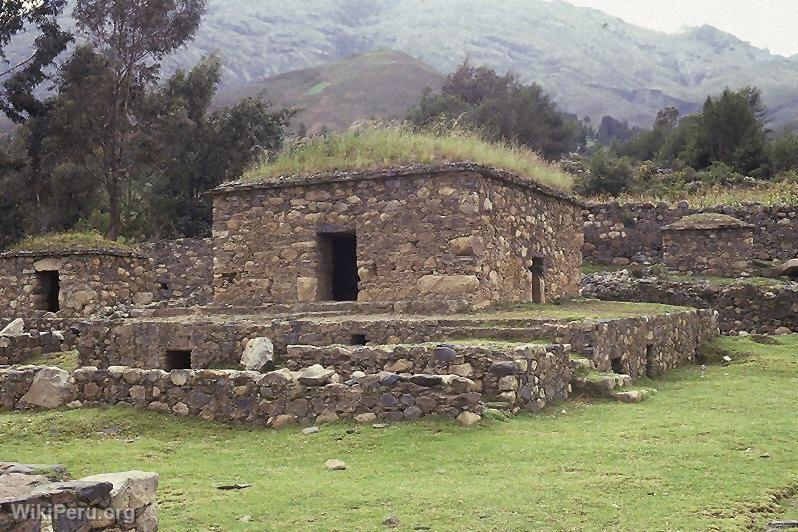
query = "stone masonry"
{"x": 633, "y": 232}
{"x": 459, "y": 231}
{"x": 74, "y": 283}
{"x": 37, "y": 497}
{"x": 721, "y": 246}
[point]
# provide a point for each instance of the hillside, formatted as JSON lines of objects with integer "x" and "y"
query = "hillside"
{"x": 380, "y": 85}
{"x": 592, "y": 63}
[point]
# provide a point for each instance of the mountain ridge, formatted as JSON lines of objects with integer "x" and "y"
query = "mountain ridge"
{"x": 590, "y": 62}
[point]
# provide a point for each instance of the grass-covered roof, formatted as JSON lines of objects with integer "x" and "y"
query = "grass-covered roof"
{"x": 381, "y": 147}
{"x": 707, "y": 220}
{"x": 71, "y": 241}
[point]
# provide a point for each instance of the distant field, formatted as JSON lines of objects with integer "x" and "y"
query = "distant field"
{"x": 711, "y": 452}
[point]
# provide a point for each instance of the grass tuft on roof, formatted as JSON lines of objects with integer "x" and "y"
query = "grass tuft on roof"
{"x": 67, "y": 241}
{"x": 383, "y": 146}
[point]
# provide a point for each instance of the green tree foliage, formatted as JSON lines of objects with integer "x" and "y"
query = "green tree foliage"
{"x": 784, "y": 152}
{"x": 501, "y": 107}
{"x": 730, "y": 129}
{"x": 612, "y": 130}
{"x": 608, "y": 174}
{"x": 17, "y": 98}
{"x": 196, "y": 149}
{"x": 132, "y": 36}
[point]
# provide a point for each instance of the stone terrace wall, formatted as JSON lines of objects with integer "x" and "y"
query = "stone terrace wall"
{"x": 181, "y": 270}
{"x": 220, "y": 344}
{"x": 632, "y": 232}
{"x": 144, "y": 344}
{"x": 524, "y": 376}
{"x": 267, "y": 399}
{"x": 724, "y": 252}
{"x": 639, "y": 346}
{"x": 18, "y": 348}
{"x": 740, "y": 307}
{"x": 443, "y": 232}
{"x": 89, "y": 282}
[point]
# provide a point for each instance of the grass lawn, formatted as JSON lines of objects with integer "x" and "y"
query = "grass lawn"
{"x": 705, "y": 453}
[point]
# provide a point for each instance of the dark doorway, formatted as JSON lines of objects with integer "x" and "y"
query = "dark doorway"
{"x": 538, "y": 283}
{"x": 178, "y": 359}
{"x": 49, "y": 290}
{"x": 358, "y": 339}
{"x": 617, "y": 366}
{"x": 338, "y": 279}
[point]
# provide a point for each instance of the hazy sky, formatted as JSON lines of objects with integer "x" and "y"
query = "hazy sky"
{"x": 771, "y": 24}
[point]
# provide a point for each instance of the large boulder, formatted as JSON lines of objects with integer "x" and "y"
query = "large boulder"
{"x": 315, "y": 375}
{"x": 15, "y": 328}
{"x": 134, "y": 490}
{"x": 50, "y": 389}
{"x": 788, "y": 269}
{"x": 448, "y": 285}
{"x": 258, "y": 354}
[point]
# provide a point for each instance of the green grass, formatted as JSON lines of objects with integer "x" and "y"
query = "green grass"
{"x": 67, "y": 241}
{"x": 318, "y": 88}
{"x": 67, "y": 360}
{"x": 585, "y": 309}
{"x": 372, "y": 147}
{"x": 768, "y": 194}
{"x": 689, "y": 458}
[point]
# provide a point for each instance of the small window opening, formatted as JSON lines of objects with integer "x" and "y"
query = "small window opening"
{"x": 651, "y": 370}
{"x": 337, "y": 269}
{"x": 178, "y": 359}
{"x": 617, "y": 367}
{"x": 358, "y": 339}
{"x": 49, "y": 290}
{"x": 538, "y": 282}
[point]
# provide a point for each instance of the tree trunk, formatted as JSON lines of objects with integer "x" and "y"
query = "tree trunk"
{"x": 112, "y": 187}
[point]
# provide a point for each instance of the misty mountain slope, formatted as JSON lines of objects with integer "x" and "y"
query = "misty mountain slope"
{"x": 592, "y": 63}
{"x": 380, "y": 85}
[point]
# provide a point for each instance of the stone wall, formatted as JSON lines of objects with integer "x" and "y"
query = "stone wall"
{"x": 633, "y": 232}
{"x": 724, "y": 252}
{"x": 20, "y": 347}
{"x": 43, "y": 497}
{"x": 181, "y": 270}
{"x": 273, "y": 399}
{"x": 444, "y": 232}
{"x": 146, "y": 344}
{"x": 637, "y": 346}
{"x": 88, "y": 282}
{"x": 523, "y": 376}
{"x": 741, "y": 306}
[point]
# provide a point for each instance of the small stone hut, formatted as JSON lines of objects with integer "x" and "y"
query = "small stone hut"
{"x": 709, "y": 243}
{"x": 71, "y": 282}
{"x": 453, "y": 231}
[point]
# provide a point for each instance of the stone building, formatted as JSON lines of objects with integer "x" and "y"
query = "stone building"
{"x": 77, "y": 282}
{"x": 458, "y": 231}
{"x": 714, "y": 244}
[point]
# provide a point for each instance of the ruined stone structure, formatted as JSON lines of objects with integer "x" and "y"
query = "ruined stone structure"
{"x": 713, "y": 244}
{"x": 89, "y": 282}
{"x": 632, "y": 232}
{"x": 378, "y": 293}
{"x": 748, "y": 307}
{"x": 455, "y": 231}
{"x": 43, "y": 497}
{"x": 73, "y": 283}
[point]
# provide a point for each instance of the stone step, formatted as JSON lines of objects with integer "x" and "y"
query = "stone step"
{"x": 600, "y": 384}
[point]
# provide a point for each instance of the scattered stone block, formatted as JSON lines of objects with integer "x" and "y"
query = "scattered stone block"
{"x": 335, "y": 465}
